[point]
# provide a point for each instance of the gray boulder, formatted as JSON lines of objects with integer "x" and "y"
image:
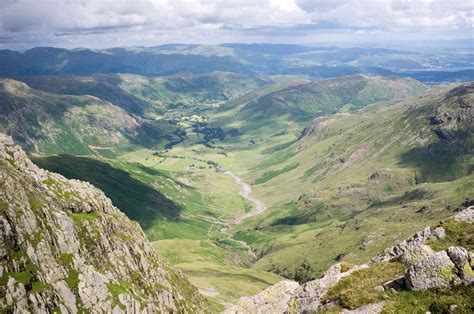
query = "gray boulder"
{"x": 436, "y": 270}
{"x": 463, "y": 262}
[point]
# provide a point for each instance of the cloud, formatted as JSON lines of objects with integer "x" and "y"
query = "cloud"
{"x": 69, "y": 22}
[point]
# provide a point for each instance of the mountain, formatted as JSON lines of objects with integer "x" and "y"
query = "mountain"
{"x": 317, "y": 97}
{"x": 249, "y": 59}
{"x": 302, "y": 101}
{"x": 51, "y": 123}
{"x": 65, "y": 247}
{"x": 430, "y": 271}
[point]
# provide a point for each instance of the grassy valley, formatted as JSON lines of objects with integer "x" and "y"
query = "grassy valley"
{"x": 342, "y": 167}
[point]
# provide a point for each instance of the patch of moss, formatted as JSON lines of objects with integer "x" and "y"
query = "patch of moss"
{"x": 49, "y": 181}
{"x": 3, "y": 207}
{"x": 65, "y": 259}
{"x": 79, "y": 217}
{"x": 468, "y": 270}
{"x": 39, "y": 286}
{"x": 446, "y": 273}
{"x": 293, "y": 306}
{"x": 116, "y": 289}
{"x": 72, "y": 279}
{"x": 34, "y": 203}
{"x": 345, "y": 267}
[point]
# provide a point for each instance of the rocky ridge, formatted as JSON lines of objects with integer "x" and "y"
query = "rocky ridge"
{"x": 65, "y": 248}
{"x": 424, "y": 269}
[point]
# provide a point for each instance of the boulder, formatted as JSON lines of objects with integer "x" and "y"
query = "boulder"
{"x": 463, "y": 262}
{"x": 436, "y": 270}
{"x": 416, "y": 254}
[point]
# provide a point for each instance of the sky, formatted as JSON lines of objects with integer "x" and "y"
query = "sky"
{"x": 111, "y": 23}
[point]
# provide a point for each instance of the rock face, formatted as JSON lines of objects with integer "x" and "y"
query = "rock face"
{"x": 65, "y": 247}
{"x": 308, "y": 297}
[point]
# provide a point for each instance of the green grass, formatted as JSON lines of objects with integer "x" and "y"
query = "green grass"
{"x": 272, "y": 174}
{"x": 433, "y": 300}
{"x": 357, "y": 289}
{"x": 458, "y": 233}
{"x": 79, "y": 217}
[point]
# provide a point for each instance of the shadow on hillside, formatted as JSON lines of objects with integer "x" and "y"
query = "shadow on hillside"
{"x": 407, "y": 197}
{"x": 136, "y": 199}
{"x": 443, "y": 160}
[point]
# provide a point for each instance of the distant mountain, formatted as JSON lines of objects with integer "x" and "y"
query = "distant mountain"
{"x": 250, "y": 59}
{"x": 305, "y": 100}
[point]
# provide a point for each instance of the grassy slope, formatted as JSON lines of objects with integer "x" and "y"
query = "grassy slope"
{"x": 353, "y": 191}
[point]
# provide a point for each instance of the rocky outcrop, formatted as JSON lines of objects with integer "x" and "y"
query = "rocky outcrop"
{"x": 437, "y": 270}
{"x": 289, "y": 297}
{"x": 425, "y": 269}
{"x": 442, "y": 269}
{"x": 410, "y": 246}
{"x": 466, "y": 215}
{"x": 65, "y": 247}
{"x": 309, "y": 296}
{"x": 274, "y": 299}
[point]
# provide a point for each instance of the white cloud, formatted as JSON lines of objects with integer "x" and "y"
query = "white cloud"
{"x": 33, "y": 22}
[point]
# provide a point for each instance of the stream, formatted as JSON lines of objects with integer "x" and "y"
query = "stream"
{"x": 246, "y": 193}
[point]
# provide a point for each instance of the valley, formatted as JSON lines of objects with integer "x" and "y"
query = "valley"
{"x": 242, "y": 180}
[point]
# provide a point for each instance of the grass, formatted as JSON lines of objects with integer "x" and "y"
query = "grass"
{"x": 434, "y": 301}
{"x": 458, "y": 233}
{"x": 358, "y": 288}
{"x": 217, "y": 271}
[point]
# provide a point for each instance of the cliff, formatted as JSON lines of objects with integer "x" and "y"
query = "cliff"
{"x": 65, "y": 247}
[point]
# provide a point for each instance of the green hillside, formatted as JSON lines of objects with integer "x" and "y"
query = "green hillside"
{"x": 341, "y": 167}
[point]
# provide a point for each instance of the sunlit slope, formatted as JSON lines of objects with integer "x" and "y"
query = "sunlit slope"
{"x": 356, "y": 182}
{"x": 301, "y": 101}
{"x": 50, "y": 123}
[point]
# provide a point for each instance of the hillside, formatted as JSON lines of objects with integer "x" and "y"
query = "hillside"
{"x": 52, "y": 123}
{"x": 66, "y": 248}
{"x": 316, "y": 98}
{"x": 355, "y": 182}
